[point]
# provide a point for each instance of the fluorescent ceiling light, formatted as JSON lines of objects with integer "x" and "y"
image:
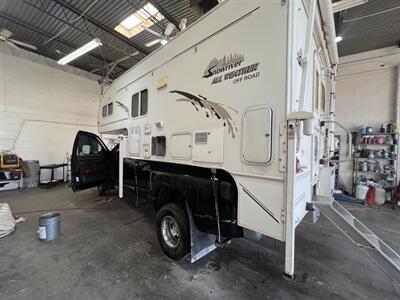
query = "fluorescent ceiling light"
{"x": 346, "y": 4}
{"x": 163, "y": 42}
{"x": 338, "y": 39}
{"x": 144, "y": 17}
{"x": 80, "y": 51}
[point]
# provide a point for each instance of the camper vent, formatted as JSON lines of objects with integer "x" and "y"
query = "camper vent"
{"x": 201, "y": 138}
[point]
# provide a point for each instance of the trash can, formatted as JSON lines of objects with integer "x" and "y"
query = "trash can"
{"x": 49, "y": 226}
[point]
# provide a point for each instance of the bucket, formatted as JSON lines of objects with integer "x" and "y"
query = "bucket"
{"x": 361, "y": 191}
{"x": 380, "y": 196}
{"x": 49, "y": 226}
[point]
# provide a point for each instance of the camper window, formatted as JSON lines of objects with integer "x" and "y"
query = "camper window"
{"x": 323, "y": 104}
{"x": 142, "y": 109}
{"x": 135, "y": 105}
{"x": 143, "y": 102}
{"x": 107, "y": 110}
{"x": 316, "y": 91}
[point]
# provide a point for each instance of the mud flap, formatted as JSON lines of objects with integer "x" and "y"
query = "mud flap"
{"x": 201, "y": 243}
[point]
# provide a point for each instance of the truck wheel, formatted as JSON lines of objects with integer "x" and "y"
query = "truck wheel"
{"x": 173, "y": 230}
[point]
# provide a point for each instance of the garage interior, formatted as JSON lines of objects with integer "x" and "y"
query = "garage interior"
{"x": 107, "y": 247}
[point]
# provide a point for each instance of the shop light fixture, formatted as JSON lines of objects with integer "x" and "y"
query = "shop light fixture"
{"x": 338, "y": 39}
{"x": 80, "y": 51}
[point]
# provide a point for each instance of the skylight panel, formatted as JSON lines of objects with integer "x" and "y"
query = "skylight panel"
{"x": 131, "y": 22}
{"x": 143, "y": 18}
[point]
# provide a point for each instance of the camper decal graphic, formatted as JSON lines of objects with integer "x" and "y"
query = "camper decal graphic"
{"x": 211, "y": 108}
{"x": 229, "y": 68}
{"x": 226, "y": 63}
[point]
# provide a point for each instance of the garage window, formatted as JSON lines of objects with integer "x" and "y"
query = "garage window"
{"x": 140, "y": 103}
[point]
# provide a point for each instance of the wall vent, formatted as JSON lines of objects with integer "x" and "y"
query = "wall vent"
{"x": 201, "y": 138}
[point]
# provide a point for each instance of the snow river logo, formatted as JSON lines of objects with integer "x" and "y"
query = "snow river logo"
{"x": 230, "y": 67}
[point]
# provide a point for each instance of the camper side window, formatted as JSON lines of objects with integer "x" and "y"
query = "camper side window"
{"x": 135, "y": 105}
{"x": 140, "y": 110}
{"x": 143, "y": 102}
{"x": 107, "y": 110}
{"x": 323, "y": 104}
{"x": 316, "y": 91}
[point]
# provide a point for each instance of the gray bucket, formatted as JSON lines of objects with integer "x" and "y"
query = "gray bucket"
{"x": 49, "y": 226}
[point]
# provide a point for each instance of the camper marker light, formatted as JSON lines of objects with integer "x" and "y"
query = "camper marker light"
{"x": 80, "y": 51}
{"x": 338, "y": 39}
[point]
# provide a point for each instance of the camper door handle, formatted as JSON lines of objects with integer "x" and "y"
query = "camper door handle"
{"x": 267, "y": 135}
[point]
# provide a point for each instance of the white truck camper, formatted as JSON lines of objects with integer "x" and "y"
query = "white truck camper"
{"x": 227, "y": 127}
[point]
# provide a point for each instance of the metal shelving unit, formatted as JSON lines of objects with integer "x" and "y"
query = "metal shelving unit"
{"x": 16, "y": 177}
{"x": 362, "y": 155}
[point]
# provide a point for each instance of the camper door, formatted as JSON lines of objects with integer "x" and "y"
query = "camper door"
{"x": 90, "y": 162}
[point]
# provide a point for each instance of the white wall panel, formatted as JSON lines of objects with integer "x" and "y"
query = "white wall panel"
{"x": 366, "y": 94}
{"x": 42, "y": 108}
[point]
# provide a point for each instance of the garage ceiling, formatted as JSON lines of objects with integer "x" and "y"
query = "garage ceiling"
{"x": 370, "y": 26}
{"x": 57, "y": 27}
{"x": 49, "y": 25}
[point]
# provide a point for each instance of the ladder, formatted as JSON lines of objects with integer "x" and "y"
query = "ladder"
{"x": 368, "y": 242}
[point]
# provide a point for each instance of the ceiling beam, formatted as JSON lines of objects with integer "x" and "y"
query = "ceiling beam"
{"x": 48, "y": 35}
{"x": 103, "y": 27}
{"x": 55, "y": 17}
{"x": 164, "y": 13}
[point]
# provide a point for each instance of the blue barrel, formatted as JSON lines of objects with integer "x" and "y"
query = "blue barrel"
{"x": 49, "y": 226}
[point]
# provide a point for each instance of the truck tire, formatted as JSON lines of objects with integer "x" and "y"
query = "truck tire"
{"x": 173, "y": 230}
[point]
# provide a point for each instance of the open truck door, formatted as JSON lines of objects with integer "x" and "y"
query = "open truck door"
{"x": 90, "y": 162}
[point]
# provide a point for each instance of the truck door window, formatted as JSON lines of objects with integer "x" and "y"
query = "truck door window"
{"x": 88, "y": 146}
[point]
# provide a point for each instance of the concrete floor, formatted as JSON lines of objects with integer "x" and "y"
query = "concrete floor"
{"x": 111, "y": 252}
